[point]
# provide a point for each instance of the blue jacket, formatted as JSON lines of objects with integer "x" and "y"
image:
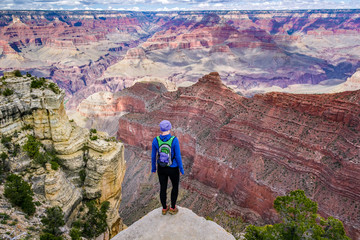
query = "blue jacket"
{"x": 175, "y": 153}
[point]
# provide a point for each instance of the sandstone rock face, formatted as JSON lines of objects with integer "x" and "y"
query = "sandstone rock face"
{"x": 184, "y": 225}
{"x": 64, "y": 195}
{"x": 240, "y": 153}
{"x": 40, "y": 112}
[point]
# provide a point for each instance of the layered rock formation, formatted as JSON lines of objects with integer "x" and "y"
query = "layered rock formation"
{"x": 184, "y": 225}
{"x": 91, "y": 51}
{"x": 40, "y": 112}
{"x": 240, "y": 153}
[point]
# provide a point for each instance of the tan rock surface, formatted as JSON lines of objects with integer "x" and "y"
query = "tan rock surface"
{"x": 102, "y": 159}
{"x": 60, "y": 191}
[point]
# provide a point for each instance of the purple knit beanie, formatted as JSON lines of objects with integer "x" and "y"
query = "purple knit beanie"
{"x": 165, "y": 125}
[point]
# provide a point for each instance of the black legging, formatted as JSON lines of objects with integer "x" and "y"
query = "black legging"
{"x": 164, "y": 173}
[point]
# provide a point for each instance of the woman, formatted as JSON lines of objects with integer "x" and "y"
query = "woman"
{"x": 167, "y": 157}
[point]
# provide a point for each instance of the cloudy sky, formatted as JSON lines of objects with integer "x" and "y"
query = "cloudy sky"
{"x": 146, "y": 5}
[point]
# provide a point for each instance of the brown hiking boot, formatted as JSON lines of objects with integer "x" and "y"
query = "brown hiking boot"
{"x": 164, "y": 211}
{"x": 173, "y": 211}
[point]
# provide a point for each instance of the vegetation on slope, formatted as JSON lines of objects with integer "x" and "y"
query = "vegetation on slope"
{"x": 32, "y": 147}
{"x": 53, "y": 220}
{"x": 299, "y": 221}
{"x": 19, "y": 194}
{"x": 93, "y": 223}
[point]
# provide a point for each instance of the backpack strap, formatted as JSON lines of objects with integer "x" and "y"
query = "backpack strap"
{"x": 169, "y": 142}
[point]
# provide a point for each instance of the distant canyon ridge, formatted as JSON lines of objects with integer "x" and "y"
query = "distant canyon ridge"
{"x": 85, "y": 52}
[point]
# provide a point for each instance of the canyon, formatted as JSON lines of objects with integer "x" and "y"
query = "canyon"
{"x": 243, "y": 144}
{"x": 240, "y": 153}
{"x": 85, "y": 52}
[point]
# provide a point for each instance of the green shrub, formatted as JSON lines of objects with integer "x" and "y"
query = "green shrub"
{"x": 85, "y": 148}
{"x": 54, "y": 88}
{"x": 6, "y": 141}
{"x": 27, "y": 127}
{"x": 94, "y": 222}
{"x": 49, "y": 236}
{"x": 41, "y": 158}
{"x": 28, "y": 74}
{"x": 3, "y": 157}
{"x": 17, "y": 73}
{"x": 7, "y": 92}
{"x": 4, "y": 216}
{"x": 93, "y": 138}
{"x": 55, "y": 161}
{"x": 75, "y": 234}
{"x": 77, "y": 224}
{"x": 93, "y": 130}
{"x": 19, "y": 193}
{"x": 53, "y": 220}
{"x": 299, "y": 221}
{"x": 38, "y": 83}
{"x": 32, "y": 146}
{"x": 31, "y": 228}
{"x": 54, "y": 165}
{"x": 112, "y": 139}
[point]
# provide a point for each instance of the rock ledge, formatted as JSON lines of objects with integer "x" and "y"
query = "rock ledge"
{"x": 184, "y": 225}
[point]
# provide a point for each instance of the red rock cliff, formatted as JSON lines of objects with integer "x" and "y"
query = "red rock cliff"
{"x": 250, "y": 150}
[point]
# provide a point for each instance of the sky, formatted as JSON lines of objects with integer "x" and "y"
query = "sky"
{"x": 166, "y": 5}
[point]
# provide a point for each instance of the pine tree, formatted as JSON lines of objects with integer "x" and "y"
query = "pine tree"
{"x": 53, "y": 220}
{"x": 19, "y": 193}
{"x": 299, "y": 221}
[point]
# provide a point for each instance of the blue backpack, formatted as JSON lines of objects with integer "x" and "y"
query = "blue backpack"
{"x": 164, "y": 154}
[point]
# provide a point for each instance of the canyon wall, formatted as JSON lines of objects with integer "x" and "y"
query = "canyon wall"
{"x": 241, "y": 153}
{"x": 40, "y": 112}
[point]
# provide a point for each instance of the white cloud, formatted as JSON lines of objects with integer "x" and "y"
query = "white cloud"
{"x": 203, "y": 5}
{"x": 162, "y": 1}
{"x": 164, "y": 9}
{"x": 138, "y": 5}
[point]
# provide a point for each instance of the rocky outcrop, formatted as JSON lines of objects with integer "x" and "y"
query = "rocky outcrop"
{"x": 184, "y": 225}
{"x": 240, "y": 153}
{"x": 64, "y": 195}
{"x": 40, "y": 112}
